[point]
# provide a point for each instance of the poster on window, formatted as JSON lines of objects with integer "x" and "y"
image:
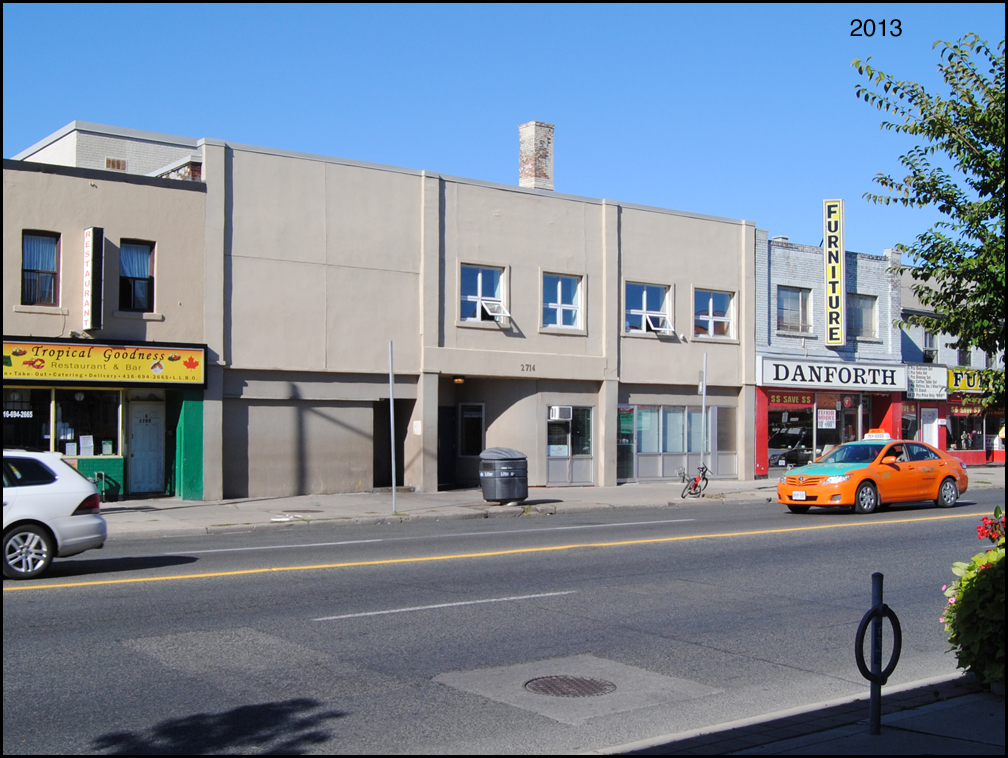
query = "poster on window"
{"x": 826, "y": 418}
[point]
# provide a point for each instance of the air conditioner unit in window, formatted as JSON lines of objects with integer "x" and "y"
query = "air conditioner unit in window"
{"x": 560, "y": 413}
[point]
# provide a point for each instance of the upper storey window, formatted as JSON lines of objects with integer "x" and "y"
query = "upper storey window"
{"x": 39, "y": 269}
{"x": 482, "y": 294}
{"x": 562, "y": 301}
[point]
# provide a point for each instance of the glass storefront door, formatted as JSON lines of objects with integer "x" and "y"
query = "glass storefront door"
{"x": 569, "y": 449}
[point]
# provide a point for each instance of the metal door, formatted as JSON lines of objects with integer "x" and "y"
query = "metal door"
{"x": 146, "y": 461}
{"x": 929, "y": 426}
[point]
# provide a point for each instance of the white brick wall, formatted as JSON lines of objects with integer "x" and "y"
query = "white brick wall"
{"x": 62, "y": 152}
{"x": 142, "y": 157}
{"x": 793, "y": 265}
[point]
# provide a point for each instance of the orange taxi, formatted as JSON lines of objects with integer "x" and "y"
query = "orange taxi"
{"x": 873, "y": 473}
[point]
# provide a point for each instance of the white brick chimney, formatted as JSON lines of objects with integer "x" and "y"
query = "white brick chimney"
{"x": 535, "y": 155}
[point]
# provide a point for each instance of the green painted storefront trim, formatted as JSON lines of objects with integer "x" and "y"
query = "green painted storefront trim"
{"x": 112, "y": 484}
{"x": 189, "y": 446}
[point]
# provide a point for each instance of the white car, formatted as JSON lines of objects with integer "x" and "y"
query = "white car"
{"x": 49, "y": 510}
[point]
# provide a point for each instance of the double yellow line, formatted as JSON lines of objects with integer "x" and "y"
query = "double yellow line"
{"x": 487, "y": 554}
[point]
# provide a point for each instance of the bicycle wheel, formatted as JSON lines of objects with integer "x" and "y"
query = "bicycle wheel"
{"x": 692, "y": 489}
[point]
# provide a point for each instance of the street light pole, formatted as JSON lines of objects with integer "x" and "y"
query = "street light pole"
{"x": 391, "y": 404}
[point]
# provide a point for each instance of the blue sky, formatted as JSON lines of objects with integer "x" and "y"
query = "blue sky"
{"x": 743, "y": 111}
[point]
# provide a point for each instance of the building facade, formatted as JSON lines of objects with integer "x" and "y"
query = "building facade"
{"x": 811, "y": 397}
{"x": 104, "y": 355}
{"x": 570, "y": 328}
{"x": 942, "y": 404}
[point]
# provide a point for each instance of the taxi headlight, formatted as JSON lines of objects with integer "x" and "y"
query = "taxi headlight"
{"x": 836, "y": 479}
{"x": 782, "y": 480}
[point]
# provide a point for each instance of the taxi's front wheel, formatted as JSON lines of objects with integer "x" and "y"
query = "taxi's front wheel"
{"x": 866, "y": 500}
{"x": 948, "y": 494}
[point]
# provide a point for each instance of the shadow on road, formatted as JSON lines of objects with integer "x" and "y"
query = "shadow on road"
{"x": 287, "y": 727}
{"x": 88, "y": 566}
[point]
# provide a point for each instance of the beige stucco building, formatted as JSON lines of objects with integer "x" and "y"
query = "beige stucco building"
{"x": 570, "y": 328}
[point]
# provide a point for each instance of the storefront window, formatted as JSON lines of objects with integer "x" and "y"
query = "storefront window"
{"x": 910, "y": 425}
{"x": 647, "y": 429}
{"x": 26, "y": 418}
{"x": 965, "y": 431}
{"x": 674, "y": 430}
{"x": 790, "y": 428}
{"x": 695, "y": 437}
{"x": 87, "y": 422}
{"x": 726, "y": 430}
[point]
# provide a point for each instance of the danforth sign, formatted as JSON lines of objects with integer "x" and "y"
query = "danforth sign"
{"x": 865, "y": 377}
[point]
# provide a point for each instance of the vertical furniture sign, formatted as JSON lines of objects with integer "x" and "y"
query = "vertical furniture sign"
{"x": 94, "y": 245}
{"x": 836, "y": 280}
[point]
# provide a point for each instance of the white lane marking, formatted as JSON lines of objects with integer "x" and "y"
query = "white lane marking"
{"x": 273, "y": 547}
{"x": 429, "y": 537}
{"x": 444, "y": 605}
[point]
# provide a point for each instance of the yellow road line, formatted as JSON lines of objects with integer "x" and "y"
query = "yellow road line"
{"x": 487, "y": 554}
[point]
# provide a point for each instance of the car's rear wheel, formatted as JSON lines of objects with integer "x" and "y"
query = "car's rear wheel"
{"x": 866, "y": 500}
{"x": 948, "y": 494}
{"x": 28, "y": 551}
{"x": 798, "y": 508}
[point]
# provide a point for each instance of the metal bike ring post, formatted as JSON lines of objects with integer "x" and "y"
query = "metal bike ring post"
{"x": 883, "y": 611}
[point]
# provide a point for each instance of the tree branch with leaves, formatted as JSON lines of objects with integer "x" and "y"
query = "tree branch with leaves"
{"x": 958, "y": 167}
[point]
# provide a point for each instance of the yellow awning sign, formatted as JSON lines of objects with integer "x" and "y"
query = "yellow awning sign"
{"x": 965, "y": 380}
{"x": 92, "y": 362}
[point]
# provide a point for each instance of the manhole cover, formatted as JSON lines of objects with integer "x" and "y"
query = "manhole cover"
{"x": 569, "y": 686}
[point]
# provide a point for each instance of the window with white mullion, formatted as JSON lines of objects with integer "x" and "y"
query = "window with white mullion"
{"x": 481, "y": 294}
{"x": 713, "y": 314}
{"x": 562, "y": 301}
{"x": 646, "y": 309}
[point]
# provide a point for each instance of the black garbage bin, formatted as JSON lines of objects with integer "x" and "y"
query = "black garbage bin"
{"x": 503, "y": 475}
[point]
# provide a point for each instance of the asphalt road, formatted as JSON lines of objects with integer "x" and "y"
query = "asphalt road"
{"x": 419, "y": 637}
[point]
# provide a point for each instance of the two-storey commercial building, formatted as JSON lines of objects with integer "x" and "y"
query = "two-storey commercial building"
{"x": 812, "y": 396}
{"x": 570, "y": 328}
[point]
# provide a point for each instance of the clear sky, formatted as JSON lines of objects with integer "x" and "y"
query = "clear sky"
{"x": 743, "y": 111}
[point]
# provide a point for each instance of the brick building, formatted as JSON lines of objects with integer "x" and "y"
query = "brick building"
{"x": 809, "y": 396}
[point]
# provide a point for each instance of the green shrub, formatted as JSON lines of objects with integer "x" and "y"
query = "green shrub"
{"x": 975, "y": 612}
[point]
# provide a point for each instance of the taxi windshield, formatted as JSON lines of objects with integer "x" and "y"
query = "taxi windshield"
{"x": 857, "y": 453}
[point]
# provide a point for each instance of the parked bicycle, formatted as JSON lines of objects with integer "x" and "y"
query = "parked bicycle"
{"x": 695, "y": 486}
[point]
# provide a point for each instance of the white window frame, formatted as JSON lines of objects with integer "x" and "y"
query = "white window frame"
{"x": 653, "y": 320}
{"x": 728, "y": 318}
{"x": 553, "y": 300}
{"x": 804, "y": 307}
{"x": 491, "y": 307}
{"x": 853, "y": 298}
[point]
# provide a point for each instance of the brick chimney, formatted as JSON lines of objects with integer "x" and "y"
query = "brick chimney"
{"x": 535, "y": 155}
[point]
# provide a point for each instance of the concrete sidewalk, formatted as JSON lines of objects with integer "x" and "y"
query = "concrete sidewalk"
{"x": 944, "y": 716}
{"x": 173, "y": 517}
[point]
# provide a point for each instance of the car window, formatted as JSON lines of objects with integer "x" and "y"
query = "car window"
{"x": 920, "y": 452}
{"x": 859, "y": 453}
{"x": 899, "y": 452}
{"x": 26, "y": 472}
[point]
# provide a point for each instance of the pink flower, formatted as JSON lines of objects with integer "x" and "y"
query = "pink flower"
{"x": 951, "y": 601}
{"x": 944, "y": 587}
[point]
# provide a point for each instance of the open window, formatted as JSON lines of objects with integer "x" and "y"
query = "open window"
{"x": 647, "y": 308}
{"x": 482, "y": 295}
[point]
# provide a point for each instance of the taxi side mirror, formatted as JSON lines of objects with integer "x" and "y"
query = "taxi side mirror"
{"x": 888, "y": 460}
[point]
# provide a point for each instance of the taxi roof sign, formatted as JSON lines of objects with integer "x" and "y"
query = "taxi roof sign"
{"x": 877, "y": 434}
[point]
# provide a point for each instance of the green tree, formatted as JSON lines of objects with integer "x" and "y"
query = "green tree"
{"x": 961, "y": 259}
